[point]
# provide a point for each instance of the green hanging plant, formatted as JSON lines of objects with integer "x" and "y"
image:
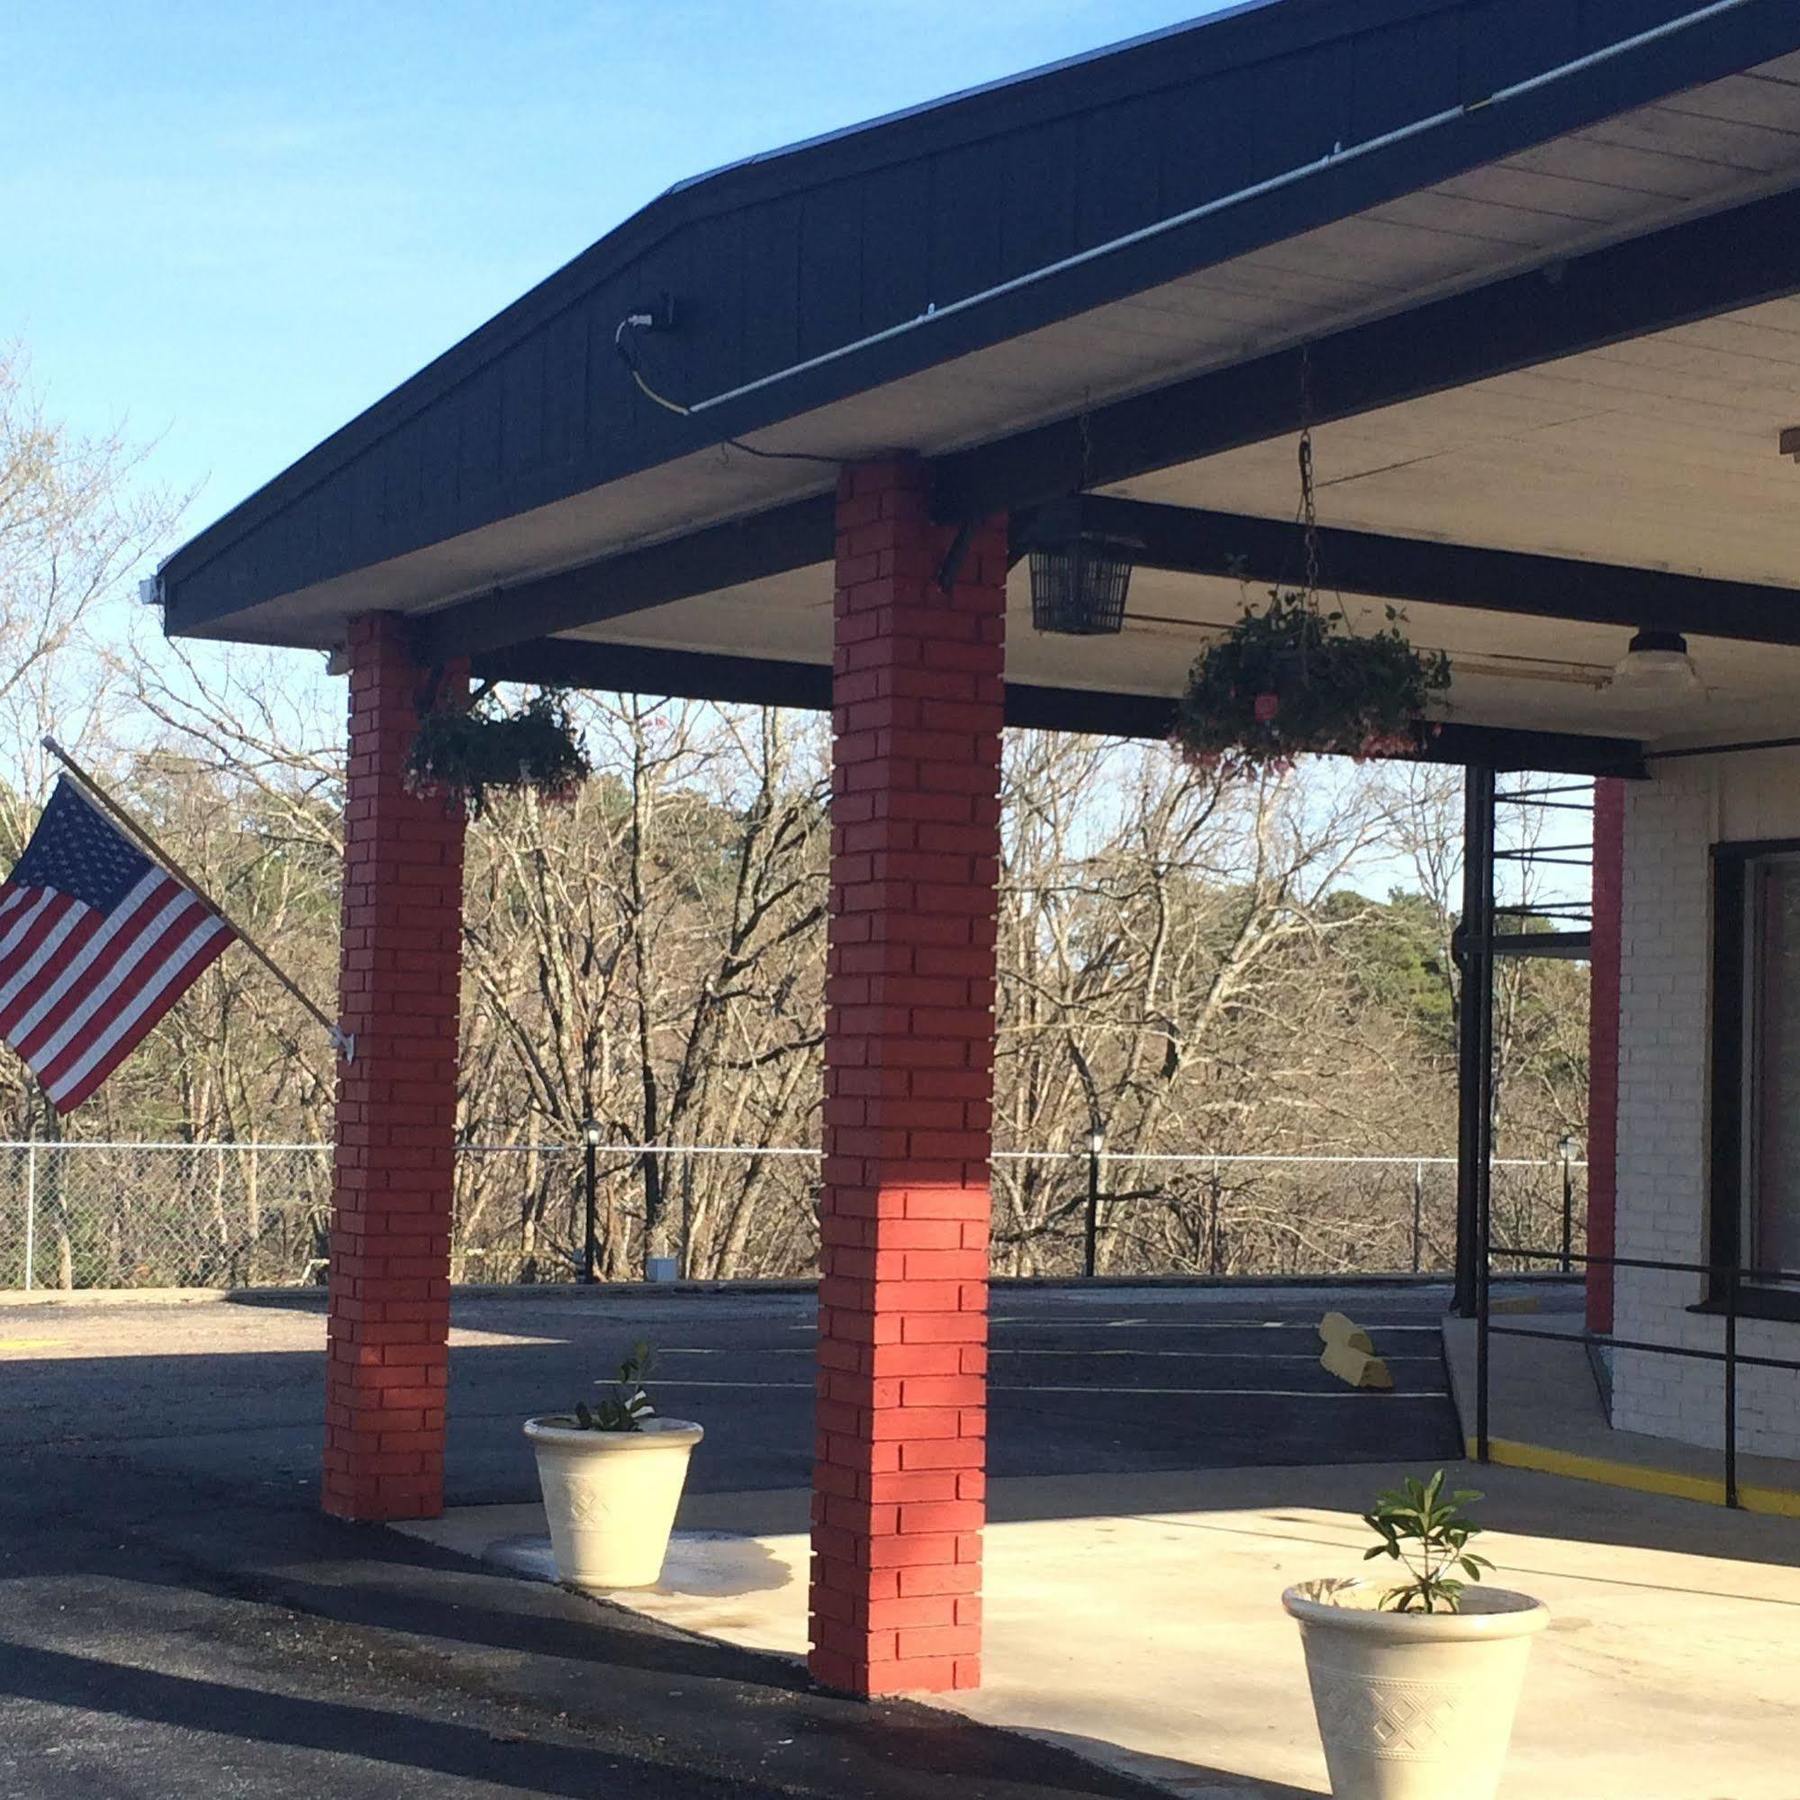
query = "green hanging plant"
{"x": 469, "y": 751}
{"x": 1294, "y": 678}
{"x": 1290, "y": 679}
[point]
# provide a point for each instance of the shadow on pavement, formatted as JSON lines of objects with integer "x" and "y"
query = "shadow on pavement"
{"x": 526, "y": 1765}
{"x": 274, "y": 1628}
{"x": 1186, "y": 1778}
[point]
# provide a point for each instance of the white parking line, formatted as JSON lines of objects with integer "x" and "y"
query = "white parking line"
{"x": 1234, "y": 1393}
{"x": 1022, "y": 1324}
{"x": 1032, "y": 1387}
{"x": 1261, "y": 1356}
{"x": 1074, "y": 1322}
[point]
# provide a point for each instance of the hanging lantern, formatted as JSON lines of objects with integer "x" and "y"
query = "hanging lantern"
{"x": 1078, "y": 585}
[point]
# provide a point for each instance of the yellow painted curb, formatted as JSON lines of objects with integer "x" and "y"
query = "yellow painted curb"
{"x": 1779, "y": 1502}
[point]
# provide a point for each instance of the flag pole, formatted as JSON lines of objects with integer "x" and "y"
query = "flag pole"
{"x": 343, "y": 1041}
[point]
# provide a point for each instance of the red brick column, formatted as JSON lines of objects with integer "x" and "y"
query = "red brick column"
{"x": 1603, "y": 1047}
{"x": 900, "y": 1478}
{"x": 390, "y": 1221}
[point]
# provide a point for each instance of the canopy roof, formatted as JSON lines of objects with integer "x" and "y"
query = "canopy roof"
{"x": 1530, "y": 267}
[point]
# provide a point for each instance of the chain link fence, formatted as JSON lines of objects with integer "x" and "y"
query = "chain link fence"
{"x": 99, "y": 1215}
{"x": 87, "y": 1215}
{"x": 1197, "y": 1214}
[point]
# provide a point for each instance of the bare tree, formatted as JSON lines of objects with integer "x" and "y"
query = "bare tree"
{"x": 77, "y": 524}
{"x": 1188, "y": 966}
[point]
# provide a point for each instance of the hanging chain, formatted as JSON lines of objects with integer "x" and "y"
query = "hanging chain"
{"x": 1309, "y": 512}
{"x": 1309, "y": 516}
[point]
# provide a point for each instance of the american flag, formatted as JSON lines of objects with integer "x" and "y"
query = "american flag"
{"x": 96, "y": 944}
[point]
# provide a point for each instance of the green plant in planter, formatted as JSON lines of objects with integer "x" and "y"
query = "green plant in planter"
{"x": 626, "y": 1406}
{"x": 1427, "y": 1532}
{"x": 1291, "y": 678}
{"x": 468, "y": 751}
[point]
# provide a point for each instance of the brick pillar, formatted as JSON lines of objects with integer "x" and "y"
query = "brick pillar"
{"x": 1603, "y": 1047}
{"x": 390, "y": 1221}
{"x": 899, "y": 1483}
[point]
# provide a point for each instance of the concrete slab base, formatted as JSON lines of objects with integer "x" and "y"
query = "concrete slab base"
{"x": 701, "y": 1565}
{"x": 1137, "y": 1620}
{"x": 1546, "y": 1412}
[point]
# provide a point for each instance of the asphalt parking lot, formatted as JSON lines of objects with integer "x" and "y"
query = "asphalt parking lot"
{"x": 1082, "y": 1381}
{"x": 179, "y": 1618}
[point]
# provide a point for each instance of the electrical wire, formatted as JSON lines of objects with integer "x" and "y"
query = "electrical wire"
{"x": 627, "y": 355}
{"x": 1334, "y": 158}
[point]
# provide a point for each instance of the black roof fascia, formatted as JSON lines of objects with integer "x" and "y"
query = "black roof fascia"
{"x": 782, "y": 258}
{"x": 777, "y": 542}
{"x": 1181, "y": 540}
{"x": 1188, "y": 541}
{"x": 757, "y": 681}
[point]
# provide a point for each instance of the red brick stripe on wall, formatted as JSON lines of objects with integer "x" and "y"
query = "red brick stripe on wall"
{"x": 1603, "y": 1047}
{"x": 390, "y": 1224}
{"x": 899, "y": 1480}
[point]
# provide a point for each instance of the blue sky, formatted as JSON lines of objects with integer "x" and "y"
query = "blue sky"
{"x": 229, "y": 225}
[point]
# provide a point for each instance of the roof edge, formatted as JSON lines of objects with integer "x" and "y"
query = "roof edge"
{"x": 793, "y": 168}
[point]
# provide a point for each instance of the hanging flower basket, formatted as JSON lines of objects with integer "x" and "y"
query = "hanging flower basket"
{"x": 469, "y": 751}
{"x": 1292, "y": 679}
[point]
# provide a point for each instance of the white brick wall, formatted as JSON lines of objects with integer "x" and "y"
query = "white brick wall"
{"x": 1665, "y": 975}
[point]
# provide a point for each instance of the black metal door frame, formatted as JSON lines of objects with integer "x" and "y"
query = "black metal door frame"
{"x": 1475, "y": 1038}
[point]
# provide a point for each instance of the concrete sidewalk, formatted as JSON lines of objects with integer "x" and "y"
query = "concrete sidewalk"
{"x": 1545, "y": 1412}
{"x": 1137, "y": 1620}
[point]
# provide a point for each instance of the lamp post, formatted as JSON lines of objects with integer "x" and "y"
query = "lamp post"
{"x": 1096, "y": 1148}
{"x": 590, "y": 1134}
{"x": 1568, "y": 1147}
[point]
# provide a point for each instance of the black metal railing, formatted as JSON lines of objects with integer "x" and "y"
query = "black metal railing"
{"x": 1726, "y": 1279}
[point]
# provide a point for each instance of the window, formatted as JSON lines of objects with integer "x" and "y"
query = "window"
{"x": 1756, "y": 1062}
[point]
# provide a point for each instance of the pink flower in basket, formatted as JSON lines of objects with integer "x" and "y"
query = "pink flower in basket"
{"x": 1378, "y": 744}
{"x": 1267, "y": 706}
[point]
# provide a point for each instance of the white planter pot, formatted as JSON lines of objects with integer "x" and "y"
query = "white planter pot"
{"x": 1414, "y": 1706}
{"x": 610, "y": 1496}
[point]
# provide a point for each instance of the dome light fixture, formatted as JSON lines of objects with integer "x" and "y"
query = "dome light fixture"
{"x": 1657, "y": 666}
